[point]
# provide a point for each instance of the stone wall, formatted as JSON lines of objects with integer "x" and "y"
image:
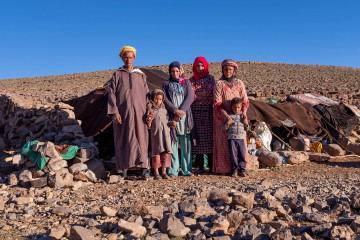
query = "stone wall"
{"x": 23, "y": 120}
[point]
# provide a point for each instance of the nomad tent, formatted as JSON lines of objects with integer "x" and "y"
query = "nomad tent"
{"x": 91, "y": 109}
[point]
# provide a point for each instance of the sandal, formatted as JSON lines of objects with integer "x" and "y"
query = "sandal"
{"x": 157, "y": 177}
{"x": 244, "y": 174}
{"x": 146, "y": 177}
{"x": 165, "y": 176}
{"x": 235, "y": 175}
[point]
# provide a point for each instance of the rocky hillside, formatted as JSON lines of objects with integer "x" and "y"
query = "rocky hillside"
{"x": 263, "y": 81}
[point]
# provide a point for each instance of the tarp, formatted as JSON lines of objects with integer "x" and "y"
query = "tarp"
{"x": 34, "y": 157}
{"x": 312, "y": 98}
{"x": 303, "y": 115}
{"x": 337, "y": 118}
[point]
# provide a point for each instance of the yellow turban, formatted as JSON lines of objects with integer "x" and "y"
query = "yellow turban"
{"x": 127, "y": 49}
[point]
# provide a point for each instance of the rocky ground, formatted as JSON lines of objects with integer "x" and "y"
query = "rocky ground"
{"x": 311, "y": 200}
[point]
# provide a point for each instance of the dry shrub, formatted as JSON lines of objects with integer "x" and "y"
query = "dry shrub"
{"x": 139, "y": 208}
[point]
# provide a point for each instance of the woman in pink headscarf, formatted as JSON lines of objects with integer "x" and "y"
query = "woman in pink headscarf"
{"x": 202, "y": 109}
{"x": 226, "y": 88}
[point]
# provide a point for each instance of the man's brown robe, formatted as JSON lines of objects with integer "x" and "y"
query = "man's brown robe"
{"x": 128, "y": 96}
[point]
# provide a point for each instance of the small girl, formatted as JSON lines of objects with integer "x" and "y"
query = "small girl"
{"x": 159, "y": 135}
{"x": 235, "y": 126}
{"x": 179, "y": 97}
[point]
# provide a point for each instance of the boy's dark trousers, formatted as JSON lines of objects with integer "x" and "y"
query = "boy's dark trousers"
{"x": 237, "y": 155}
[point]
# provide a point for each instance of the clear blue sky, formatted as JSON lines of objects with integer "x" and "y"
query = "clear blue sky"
{"x": 40, "y": 38}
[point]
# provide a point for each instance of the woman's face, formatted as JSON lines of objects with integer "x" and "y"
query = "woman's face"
{"x": 200, "y": 67}
{"x": 228, "y": 71}
{"x": 175, "y": 72}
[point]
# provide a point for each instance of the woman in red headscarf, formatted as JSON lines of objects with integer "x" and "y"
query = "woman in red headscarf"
{"x": 202, "y": 109}
{"x": 226, "y": 88}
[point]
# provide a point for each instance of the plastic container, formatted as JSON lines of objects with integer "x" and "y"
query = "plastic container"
{"x": 307, "y": 144}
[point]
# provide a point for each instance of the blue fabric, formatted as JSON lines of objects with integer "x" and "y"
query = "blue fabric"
{"x": 181, "y": 126}
{"x": 185, "y": 156}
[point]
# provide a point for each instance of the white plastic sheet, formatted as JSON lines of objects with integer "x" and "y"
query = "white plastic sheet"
{"x": 264, "y": 135}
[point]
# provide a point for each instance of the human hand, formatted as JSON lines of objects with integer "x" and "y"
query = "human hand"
{"x": 117, "y": 119}
{"x": 172, "y": 124}
{"x": 229, "y": 122}
{"x": 243, "y": 116}
{"x": 245, "y": 121}
{"x": 177, "y": 119}
{"x": 179, "y": 113}
{"x": 150, "y": 116}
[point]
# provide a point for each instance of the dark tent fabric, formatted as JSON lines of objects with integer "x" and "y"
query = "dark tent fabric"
{"x": 91, "y": 109}
{"x": 305, "y": 117}
{"x": 337, "y": 118}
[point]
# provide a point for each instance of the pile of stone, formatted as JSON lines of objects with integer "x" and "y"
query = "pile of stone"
{"x": 23, "y": 120}
{"x": 58, "y": 172}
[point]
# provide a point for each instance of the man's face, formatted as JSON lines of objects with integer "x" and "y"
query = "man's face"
{"x": 128, "y": 59}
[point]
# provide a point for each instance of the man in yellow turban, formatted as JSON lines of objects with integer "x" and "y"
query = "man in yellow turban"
{"x": 129, "y": 106}
{"x": 127, "y": 49}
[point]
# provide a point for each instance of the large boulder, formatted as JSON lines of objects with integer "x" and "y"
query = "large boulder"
{"x": 57, "y": 165}
{"x": 333, "y": 150}
{"x": 135, "y": 229}
{"x": 269, "y": 159}
{"x": 318, "y": 157}
{"x": 60, "y": 179}
{"x": 294, "y": 157}
{"x": 81, "y": 233}
{"x": 244, "y": 199}
{"x": 173, "y": 226}
{"x": 353, "y": 147}
{"x": 97, "y": 167}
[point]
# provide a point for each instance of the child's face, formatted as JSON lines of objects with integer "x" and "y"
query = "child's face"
{"x": 158, "y": 99}
{"x": 236, "y": 108}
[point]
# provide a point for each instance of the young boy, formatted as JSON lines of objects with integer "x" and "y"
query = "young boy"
{"x": 234, "y": 126}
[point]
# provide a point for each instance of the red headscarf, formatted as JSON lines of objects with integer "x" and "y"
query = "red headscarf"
{"x": 206, "y": 68}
